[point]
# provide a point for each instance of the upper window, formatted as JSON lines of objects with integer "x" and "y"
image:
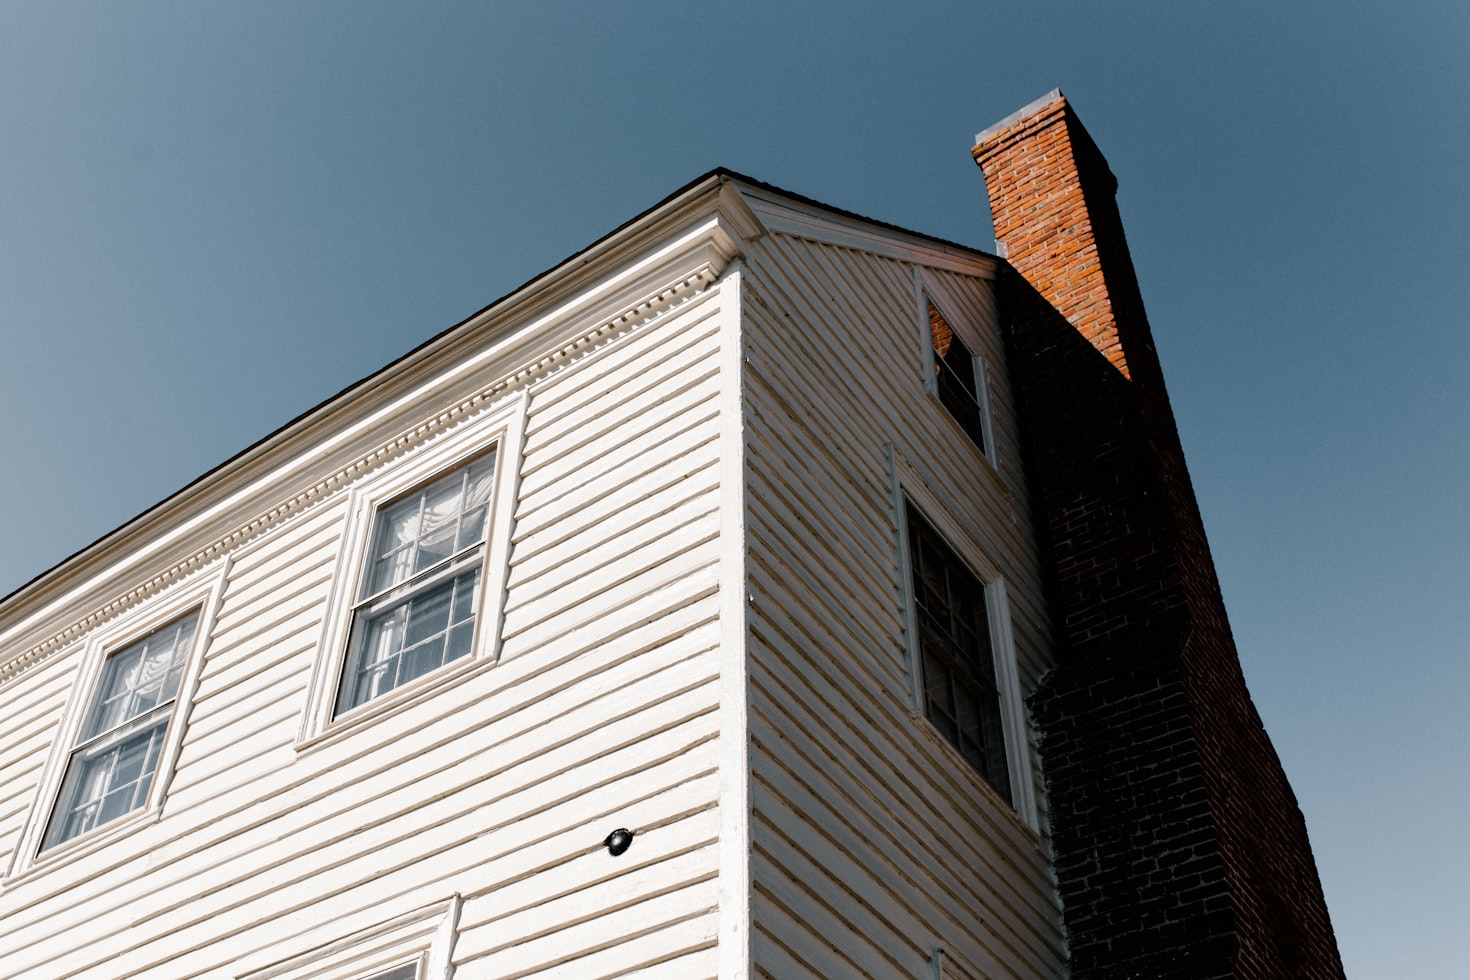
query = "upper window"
{"x": 958, "y": 379}
{"x": 957, "y": 677}
{"x": 416, "y": 606}
{"x": 111, "y": 768}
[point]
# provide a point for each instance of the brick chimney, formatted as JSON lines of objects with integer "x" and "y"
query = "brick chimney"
{"x": 1180, "y": 849}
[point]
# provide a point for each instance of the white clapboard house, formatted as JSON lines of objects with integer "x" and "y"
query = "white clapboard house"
{"x": 714, "y": 535}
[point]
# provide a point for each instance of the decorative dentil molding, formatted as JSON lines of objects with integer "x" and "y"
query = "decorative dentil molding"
{"x": 692, "y": 284}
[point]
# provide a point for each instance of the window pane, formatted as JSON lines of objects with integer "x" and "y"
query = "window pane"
{"x": 953, "y": 632}
{"x": 141, "y": 677}
{"x": 442, "y": 504}
{"x": 422, "y": 531}
{"x": 418, "y": 634}
{"x": 107, "y": 782}
{"x": 478, "y": 486}
{"x": 954, "y": 378}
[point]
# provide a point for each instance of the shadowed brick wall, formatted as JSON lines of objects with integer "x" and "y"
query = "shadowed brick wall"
{"x": 1180, "y": 849}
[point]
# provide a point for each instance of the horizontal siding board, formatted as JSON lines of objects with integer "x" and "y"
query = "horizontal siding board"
{"x": 791, "y": 477}
{"x": 582, "y": 435}
{"x": 585, "y": 949}
{"x": 684, "y": 577}
{"x": 546, "y": 910}
{"x": 871, "y": 940}
{"x": 566, "y": 437}
{"x": 889, "y": 777}
{"x": 806, "y": 952}
{"x": 658, "y": 425}
{"x": 824, "y": 586}
{"x": 587, "y": 382}
{"x": 580, "y": 521}
{"x": 701, "y": 962}
{"x": 627, "y": 426}
{"x": 548, "y": 526}
{"x": 683, "y": 512}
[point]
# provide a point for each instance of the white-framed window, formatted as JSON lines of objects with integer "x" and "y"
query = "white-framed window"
{"x": 110, "y": 769}
{"x": 420, "y": 590}
{"x": 954, "y": 647}
{"x": 119, "y": 737}
{"x": 963, "y": 681}
{"x": 957, "y": 374}
{"x": 417, "y": 945}
{"x": 418, "y": 599}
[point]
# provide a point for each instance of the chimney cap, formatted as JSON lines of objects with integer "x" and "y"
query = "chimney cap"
{"x": 1045, "y": 102}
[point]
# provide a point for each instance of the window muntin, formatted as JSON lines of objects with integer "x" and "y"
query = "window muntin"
{"x": 110, "y": 770}
{"x": 955, "y": 379}
{"x": 416, "y": 610}
{"x": 957, "y": 661}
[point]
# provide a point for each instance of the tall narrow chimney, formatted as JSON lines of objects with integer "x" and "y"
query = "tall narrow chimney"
{"x": 1180, "y": 849}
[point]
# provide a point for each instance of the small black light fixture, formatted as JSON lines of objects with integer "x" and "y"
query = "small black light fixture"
{"x": 618, "y": 841}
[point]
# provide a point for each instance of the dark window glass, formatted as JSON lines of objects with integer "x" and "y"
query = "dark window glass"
{"x": 954, "y": 377}
{"x": 957, "y": 663}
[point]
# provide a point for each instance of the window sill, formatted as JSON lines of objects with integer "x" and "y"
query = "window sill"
{"x": 393, "y": 703}
{"x": 86, "y": 845}
{"x": 968, "y": 772}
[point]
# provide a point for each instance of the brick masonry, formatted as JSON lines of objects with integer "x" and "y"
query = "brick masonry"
{"x": 1180, "y": 848}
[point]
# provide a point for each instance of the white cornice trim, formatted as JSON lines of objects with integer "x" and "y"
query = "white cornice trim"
{"x": 640, "y": 292}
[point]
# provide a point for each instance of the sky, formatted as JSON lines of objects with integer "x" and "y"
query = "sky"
{"x": 215, "y": 216}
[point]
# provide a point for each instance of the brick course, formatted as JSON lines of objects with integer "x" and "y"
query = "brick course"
{"x": 1180, "y": 849}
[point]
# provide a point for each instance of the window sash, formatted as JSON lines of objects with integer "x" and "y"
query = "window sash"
{"x": 957, "y": 660}
{"x": 107, "y": 781}
{"x": 955, "y": 378}
{"x": 420, "y": 588}
{"x": 110, "y": 771}
{"x": 411, "y": 633}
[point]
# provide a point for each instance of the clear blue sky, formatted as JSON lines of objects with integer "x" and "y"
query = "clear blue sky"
{"x": 213, "y": 216}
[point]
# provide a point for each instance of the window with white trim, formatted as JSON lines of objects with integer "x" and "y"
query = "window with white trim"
{"x": 417, "y": 945}
{"x": 425, "y": 553}
{"x": 955, "y": 648}
{"x": 112, "y": 765}
{"x": 959, "y": 378}
{"x": 417, "y": 603}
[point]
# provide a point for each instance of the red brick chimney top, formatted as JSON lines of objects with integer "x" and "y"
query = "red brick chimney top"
{"x": 1052, "y": 197}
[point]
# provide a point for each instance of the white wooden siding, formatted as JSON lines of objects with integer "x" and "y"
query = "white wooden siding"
{"x": 601, "y": 711}
{"x": 873, "y": 842}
